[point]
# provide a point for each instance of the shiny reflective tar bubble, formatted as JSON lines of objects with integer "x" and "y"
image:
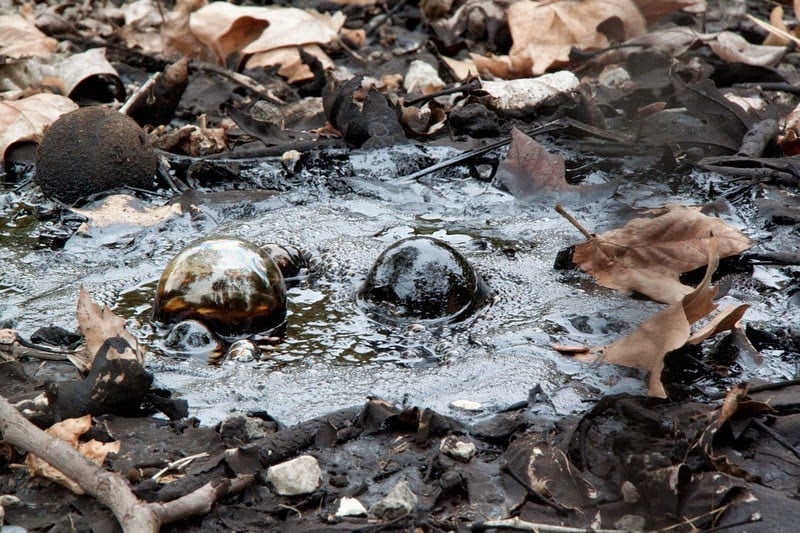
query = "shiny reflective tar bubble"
{"x": 227, "y": 283}
{"x": 422, "y": 279}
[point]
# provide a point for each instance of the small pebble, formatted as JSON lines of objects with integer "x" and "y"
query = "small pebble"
{"x": 301, "y": 475}
{"x": 350, "y": 507}
{"x": 457, "y": 449}
{"x": 466, "y": 405}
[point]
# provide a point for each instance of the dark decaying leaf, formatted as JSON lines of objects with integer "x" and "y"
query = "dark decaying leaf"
{"x": 383, "y": 124}
{"x": 268, "y": 133}
{"x": 710, "y": 122}
{"x": 532, "y": 173}
{"x": 342, "y": 113}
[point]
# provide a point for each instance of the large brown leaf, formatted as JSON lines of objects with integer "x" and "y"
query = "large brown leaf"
{"x": 99, "y": 324}
{"x": 648, "y": 255}
{"x": 70, "y": 431}
{"x": 668, "y": 330}
{"x": 546, "y": 31}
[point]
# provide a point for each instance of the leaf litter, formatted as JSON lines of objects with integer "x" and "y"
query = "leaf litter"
{"x": 629, "y": 462}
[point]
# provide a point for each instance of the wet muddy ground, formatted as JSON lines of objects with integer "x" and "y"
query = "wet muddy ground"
{"x": 343, "y": 212}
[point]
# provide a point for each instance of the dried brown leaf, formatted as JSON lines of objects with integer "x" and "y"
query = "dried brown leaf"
{"x": 70, "y": 431}
{"x": 98, "y": 324}
{"x": 647, "y": 345}
{"x": 19, "y": 37}
{"x": 726, "y": 320}
{"x": 648, "y": 255}
{"x": 545, "y": 32}
{"x": 228, "y": 28}
{"x": 25, "y": 120}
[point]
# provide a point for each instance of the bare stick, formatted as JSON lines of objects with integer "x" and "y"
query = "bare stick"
{"x": 574, "y": 221}
{"x": 521, "y": 525}
{"x": 107, "y": 487}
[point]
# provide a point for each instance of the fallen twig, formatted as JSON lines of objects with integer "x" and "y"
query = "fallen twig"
{"x": 107, "y": 487}
{"x": 477, "y": 152}
{"x": 520, "y": 525}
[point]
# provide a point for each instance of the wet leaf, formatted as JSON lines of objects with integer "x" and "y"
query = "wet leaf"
{"x": 529, "y": 168}
{"x": 70, "y": 431}
{"x": 646, "y": 347}
{"x": 124, "y": 209}
{"x": 648, "y": 255}
{"x": 99, "y": 324}
{"x": 25, "y": 120}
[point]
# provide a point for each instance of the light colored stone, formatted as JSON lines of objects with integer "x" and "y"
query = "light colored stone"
{"x": 462, "y": 450}
{"x": 301, "y": 475}
{"x": 466, "y": 405}
{"x": 400, "y": 501}
{"x": 350, "y": 507}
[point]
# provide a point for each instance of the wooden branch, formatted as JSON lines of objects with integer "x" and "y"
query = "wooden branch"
{"x": 107, "y": 487}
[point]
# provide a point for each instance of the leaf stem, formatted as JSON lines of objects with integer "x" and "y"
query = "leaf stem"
{"x": 574, "y": 221}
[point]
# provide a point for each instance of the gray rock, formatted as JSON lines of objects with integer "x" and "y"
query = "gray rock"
{"x": 400, "y": 501}
{"x": 463, "y": 450}
{"x": 301, "y": 475}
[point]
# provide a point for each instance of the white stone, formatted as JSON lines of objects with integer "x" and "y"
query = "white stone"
{"x": 301, "y": 475}
{"x": 457, "y": 449}
{"x": 421, "y": 76}
{"x": 527, "y": 93}
{"x": 466, "y": 405}
{"x": 350, "y": 507}
{"x": 400, "y": 501}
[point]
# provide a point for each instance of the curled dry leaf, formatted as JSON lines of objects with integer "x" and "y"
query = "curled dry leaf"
{"x": 545, "y": 32}
{"x": 733, "y": 48}
{"x": 70, "y": 431}
{"x": 227, "y": 28}
{"x": 98, "y": 324}
{"x": 515, "y": 97}
{"x": 648, "y": 255}
{"x": 25, "y": 120}
{"x": 63, "y": 74}
{"x": 19, "y": 37}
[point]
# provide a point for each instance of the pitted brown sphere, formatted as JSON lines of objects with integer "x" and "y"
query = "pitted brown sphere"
{"x": 92, "y": 150}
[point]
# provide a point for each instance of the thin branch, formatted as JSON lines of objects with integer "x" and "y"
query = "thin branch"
{"x": 107, "y": 487}
{"x": 520, "y": 525}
